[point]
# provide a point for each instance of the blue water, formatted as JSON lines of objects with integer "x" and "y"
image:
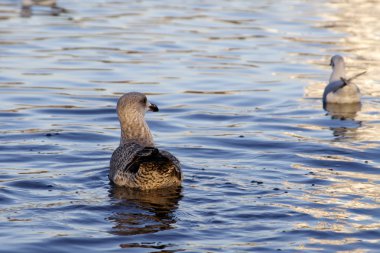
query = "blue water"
{"x": 239, "y": 86}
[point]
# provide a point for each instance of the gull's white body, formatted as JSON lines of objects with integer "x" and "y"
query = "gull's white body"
{"x": 339, "y": 91}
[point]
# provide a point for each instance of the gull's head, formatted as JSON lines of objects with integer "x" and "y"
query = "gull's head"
{"x": 134, "y": 102}
{"x": 336, "y": 61}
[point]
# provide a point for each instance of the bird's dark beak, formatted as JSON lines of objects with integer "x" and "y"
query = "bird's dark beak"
{"x": 153, "y": 108}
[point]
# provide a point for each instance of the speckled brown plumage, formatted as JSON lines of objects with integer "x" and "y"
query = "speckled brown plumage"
{"x": 137, "y": 163}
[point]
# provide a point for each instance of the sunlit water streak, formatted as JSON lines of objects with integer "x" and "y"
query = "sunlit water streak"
{"x": 239, "y": 88}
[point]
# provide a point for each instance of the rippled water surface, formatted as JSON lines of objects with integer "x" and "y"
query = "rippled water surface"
{"x": 239, "y": 86}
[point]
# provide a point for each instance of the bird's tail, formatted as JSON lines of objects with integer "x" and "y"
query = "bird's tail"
{"x": 349, "y": 80}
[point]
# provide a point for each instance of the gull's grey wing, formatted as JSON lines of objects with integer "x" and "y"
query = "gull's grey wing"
{"x": 333, "y": 87}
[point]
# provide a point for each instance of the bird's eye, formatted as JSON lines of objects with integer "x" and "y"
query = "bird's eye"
{"x": 144, "y": 100}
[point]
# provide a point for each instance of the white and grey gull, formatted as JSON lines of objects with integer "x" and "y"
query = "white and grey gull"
{"x": 339, "y": 89}
{"x": 137, "y": 163}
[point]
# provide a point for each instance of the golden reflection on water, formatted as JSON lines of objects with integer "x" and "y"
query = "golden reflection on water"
{"x": 359, "y": 129}
{"x": 364, "y": 133}
{"x": 331, "y": 205}
{"x": 356, "y": 22}
{"x": 367, "y": 130}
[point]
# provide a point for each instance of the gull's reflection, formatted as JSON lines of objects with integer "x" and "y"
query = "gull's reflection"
{"x": 344, "y": 132}
{"x": 139, "y": 212}
{"x": 343, "y": 111}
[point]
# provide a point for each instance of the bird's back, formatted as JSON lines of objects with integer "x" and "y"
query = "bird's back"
{"x": 341, "y": 92}
{"x": 136, "y": 166}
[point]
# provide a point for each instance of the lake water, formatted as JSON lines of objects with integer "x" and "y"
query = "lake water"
{"x": 239, "y": 86}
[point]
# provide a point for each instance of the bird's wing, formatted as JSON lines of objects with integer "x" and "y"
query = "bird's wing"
{"x": 129, "y": 157}
{"x": 174, "y": 161}
{"x": 146, "y": 154}
{"x": 123, "y": 156}
{"x": 333, "y": 87}
{"x": 355, "y": 76}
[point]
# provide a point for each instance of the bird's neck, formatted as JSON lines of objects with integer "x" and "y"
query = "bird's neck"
{"x": 338, "y": 72}
{"x": 136, "y": 129}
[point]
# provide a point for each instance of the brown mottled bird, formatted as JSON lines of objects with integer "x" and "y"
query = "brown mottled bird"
{"x": 137, "y": 163}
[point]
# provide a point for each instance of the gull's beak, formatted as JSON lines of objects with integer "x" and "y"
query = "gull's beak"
{"x": 153, "y": 108}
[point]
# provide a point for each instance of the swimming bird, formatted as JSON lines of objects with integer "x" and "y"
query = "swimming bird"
{"x": 137, "y": 163}
{"x": 26, "y": 8}
{"x": 341, "y": 90}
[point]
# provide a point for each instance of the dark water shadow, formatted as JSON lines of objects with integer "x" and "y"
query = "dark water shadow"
{"x": 143, "y": 212}
{"x": 343, "y": 111}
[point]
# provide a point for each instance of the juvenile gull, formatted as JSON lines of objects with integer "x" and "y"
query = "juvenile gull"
{"x": 340, "y": 90}
{"x": 137, "y": 163}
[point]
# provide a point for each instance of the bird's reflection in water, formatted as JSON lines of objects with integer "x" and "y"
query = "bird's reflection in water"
{"x": 143, "y": 212}
{"x": 343, "y": 111}
{"x": 344, "y": 132}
